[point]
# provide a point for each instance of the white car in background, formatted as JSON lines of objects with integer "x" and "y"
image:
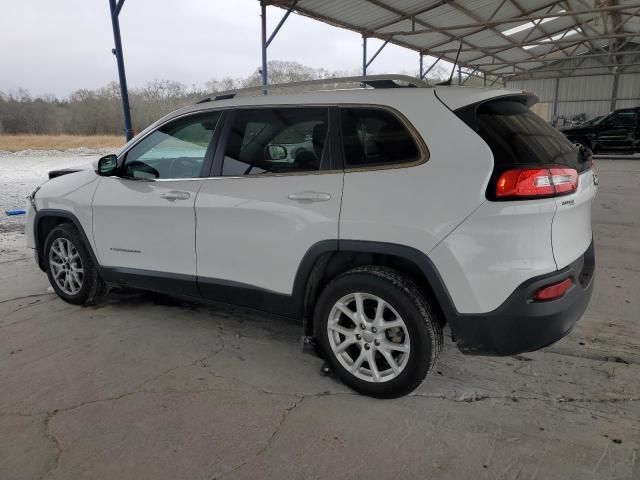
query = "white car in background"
{"x": 409, "y": 209}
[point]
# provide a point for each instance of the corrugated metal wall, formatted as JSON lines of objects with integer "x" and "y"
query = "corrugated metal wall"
{"x": 588, "y": 94}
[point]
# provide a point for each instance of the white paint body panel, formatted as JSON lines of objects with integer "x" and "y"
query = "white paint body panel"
{"x": 418, "y": 206}
{"x": 134, "y": 227}
{"x": 501, "y": 245}
{"x": 29, "y": 225}
{"x": 250, "y": 232}
{"x": 71, "y": 193}
{"x": 571, "y": 231}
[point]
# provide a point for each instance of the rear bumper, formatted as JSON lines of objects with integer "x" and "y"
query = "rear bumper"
{"x": 521, "y": 325}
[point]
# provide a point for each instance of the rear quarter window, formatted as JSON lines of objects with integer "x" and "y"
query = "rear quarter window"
{"x": 375, "y": 137}
{"x": 517, "y": 136}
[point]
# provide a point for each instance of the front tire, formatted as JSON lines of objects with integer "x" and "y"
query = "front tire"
{"x": 377, "y": 331}
{"x": 71, "y": 270}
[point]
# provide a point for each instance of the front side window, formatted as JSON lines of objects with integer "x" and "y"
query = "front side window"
{"x": 176, "y": 150}
{"x": 276, "y": 140}
{"x": 373, "y": 136}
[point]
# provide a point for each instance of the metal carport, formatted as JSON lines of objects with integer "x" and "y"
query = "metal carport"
{"x": 491, "y": 39}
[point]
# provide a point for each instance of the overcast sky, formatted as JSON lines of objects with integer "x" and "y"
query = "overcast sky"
{"x": 58, "y": 46}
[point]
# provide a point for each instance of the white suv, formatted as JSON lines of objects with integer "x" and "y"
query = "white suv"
{"x": 374, "y": 215}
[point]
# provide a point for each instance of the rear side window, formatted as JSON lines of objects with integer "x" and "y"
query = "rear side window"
{"x": 372, "y": 136}
{"x": 517, "y": 136}
{"x": 276, "y": 140}
{"x": 623, "y": 119}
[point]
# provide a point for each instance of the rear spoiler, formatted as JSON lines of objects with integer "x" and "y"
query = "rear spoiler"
{"x": 468, "y": 113}
{"x": 63, "y": 171}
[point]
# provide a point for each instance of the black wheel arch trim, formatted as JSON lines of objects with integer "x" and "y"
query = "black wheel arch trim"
{"x": 55, "y": 213}
{"x": 491, "y": 333}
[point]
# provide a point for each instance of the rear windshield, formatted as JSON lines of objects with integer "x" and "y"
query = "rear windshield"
{"x": 517, "y": 136}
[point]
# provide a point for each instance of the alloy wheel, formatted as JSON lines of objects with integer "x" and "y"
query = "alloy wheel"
{"x": 368, "y": 337}
{"x": 66, "y": 266}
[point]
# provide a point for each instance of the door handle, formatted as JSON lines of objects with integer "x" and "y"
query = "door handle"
{"x": 308, "y": 197}
{"x": 175, "y": 195}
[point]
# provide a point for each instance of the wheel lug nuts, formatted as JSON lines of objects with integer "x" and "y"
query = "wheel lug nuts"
{"x": 358, "y": 336}
{"x": 362, "y": 326}
{"x": 374, "y": 330}
{"x": 377, "y": 343}
{"x": 367, "y": 346}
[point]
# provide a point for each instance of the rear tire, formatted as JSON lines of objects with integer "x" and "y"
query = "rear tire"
{"x": 375, "y": 315}
{"x": 70, "y": 267}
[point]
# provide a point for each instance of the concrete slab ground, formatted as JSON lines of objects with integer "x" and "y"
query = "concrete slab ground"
{"x": 144, "y": 388}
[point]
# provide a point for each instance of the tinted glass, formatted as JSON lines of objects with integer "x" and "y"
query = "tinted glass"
{"x": 276, "y": 140}
{"x": 373, "y": 136}
{"x": 517, "y": 136}
{"x": 624, "y": 119}
{"x": 175, "y": 150}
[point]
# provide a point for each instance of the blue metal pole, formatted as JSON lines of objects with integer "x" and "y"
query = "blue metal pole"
{"x": 284, "y": 19}
{"x": 421, "y": 67}
{"x": 264, "y": 47}
{"x": 117, "y": 51}
{"x": 364, "y": 56}
{"x": 377, "y": 52}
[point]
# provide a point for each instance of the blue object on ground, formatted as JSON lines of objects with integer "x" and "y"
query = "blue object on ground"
{"x": 15, "y": 211}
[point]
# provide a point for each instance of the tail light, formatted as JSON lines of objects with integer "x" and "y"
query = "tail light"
{"x": 536, "y": 182}
{"x": 553, "y": 291}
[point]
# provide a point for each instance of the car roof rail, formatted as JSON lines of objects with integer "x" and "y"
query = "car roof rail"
{"x": 374, "y": 81}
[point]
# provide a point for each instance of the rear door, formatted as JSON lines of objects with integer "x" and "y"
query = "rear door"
{"x": 618, "y": 131}
{"x": 273, "y": 194}
{"x": 144, "y": 219}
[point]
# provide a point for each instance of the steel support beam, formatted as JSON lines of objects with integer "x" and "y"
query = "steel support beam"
{"x": 377, "y": 52}
{"x": 431, "y": 67}
{"x": 265, "y": 42}
{"x": 556, "y": 96}
{"x": 364, "y": 56}
{"x": 508, "y": 20}
{"x": 263, "y": 46}
{"x": 614, "y": 92}
{"x": 117, "y": 51}
{"x": 281, "y": 22}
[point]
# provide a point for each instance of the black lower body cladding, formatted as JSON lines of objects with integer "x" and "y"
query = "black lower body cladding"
{"x": 523, "y": 325}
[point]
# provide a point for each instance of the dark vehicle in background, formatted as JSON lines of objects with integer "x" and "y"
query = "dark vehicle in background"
{"x": 617, "y": 132}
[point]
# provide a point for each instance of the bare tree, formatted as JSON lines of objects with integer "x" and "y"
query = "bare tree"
{"x": 92, "y": 112}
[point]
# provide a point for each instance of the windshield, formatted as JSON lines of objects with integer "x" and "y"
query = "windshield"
{"x": 594, "y": 121}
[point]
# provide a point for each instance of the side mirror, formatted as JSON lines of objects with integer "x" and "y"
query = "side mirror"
{"x": 108, "y": 166}
{"x": 586, "y": 155}
{"x": 275, "y": 152}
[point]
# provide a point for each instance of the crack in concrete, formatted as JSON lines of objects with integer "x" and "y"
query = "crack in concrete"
{"x": 269, "y": 441}
{"x": 592, "y": 355}
{"x": 14, "y": 260}
{"x": 201, "y": 361}
{"x": 478, "y": 397}
{"x": 22, "y": 307}
{"x": 300, "y": 398}
{"x": 24, "y": 297}
{"x": 51, "y": 437}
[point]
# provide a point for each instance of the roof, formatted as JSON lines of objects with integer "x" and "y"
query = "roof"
{"x": 497, "y": 37}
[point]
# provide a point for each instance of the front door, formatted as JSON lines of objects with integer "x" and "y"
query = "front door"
{"x": 274, "y": 195}
{"x": 144, "y": 219}
{"x": 618, "y": 132}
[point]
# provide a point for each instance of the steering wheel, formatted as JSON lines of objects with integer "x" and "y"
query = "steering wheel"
{"x": 140, "y": 167}
{"x": 185, "y": 168}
